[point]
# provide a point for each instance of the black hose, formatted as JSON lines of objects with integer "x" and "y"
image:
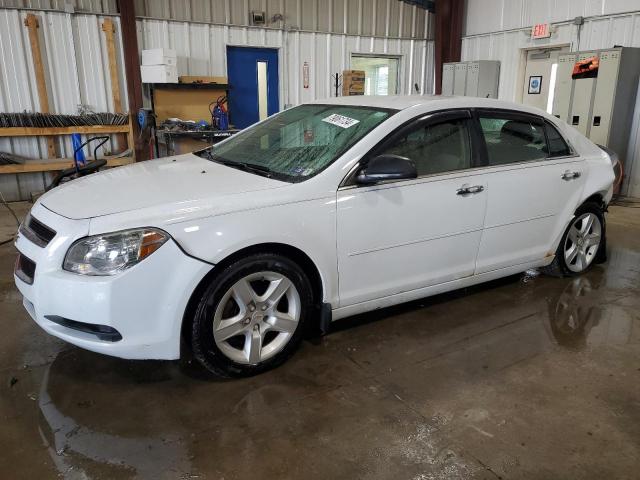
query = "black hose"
{"x": 9, "y": 208}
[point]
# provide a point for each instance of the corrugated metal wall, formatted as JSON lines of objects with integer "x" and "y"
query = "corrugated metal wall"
{"x": 499, "y": 29}
{"x": 382, "y": 18}
{"x": 322, "y": 33}
{"x": 485, "y": 16}
{"x": 75, "y": 59}
{"x": 201, "y": 51}
{"x": 86, "y": 6}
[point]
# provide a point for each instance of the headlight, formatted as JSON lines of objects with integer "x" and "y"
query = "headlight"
{"x": 113, "y": 252}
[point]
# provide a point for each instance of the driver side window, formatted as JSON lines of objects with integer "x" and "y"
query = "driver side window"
{"x": 435, "y": 148}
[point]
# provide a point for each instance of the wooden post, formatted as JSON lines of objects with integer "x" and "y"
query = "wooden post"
{"x": 448, "y": 35}
{"x": 109, "y": 29}
{"x": 132, "y": 72}
{"x": 31, "y": 22}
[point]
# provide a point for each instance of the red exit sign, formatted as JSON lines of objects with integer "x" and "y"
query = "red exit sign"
{"x": 541, "y": 30}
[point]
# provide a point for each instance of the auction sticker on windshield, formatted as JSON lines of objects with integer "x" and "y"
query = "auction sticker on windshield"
{"x": 340, "y": 120}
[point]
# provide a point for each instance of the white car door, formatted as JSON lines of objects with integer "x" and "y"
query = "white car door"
{"x": 399, "y": 236}
{"x": 534, "y": 181}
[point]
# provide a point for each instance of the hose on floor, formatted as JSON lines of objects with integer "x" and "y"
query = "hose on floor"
{"x": 6, "y": 204}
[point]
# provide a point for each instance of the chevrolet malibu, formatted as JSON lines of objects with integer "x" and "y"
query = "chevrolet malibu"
{"x": 322, "y": 211}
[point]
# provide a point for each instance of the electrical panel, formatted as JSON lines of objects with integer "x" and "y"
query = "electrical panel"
{"x": 447, "y": 78}
{"x": 460, "y": 79}
{"x": 483, "y": 77}
{"x": 472, "y": 79}
{"x": 601, "y": 103}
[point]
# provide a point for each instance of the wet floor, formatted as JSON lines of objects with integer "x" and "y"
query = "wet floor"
{"x": 526, "y": 377}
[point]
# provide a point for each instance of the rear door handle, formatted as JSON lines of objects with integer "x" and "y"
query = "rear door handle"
{"x": 569, "y": 175}
{"x": 470, "y": 190}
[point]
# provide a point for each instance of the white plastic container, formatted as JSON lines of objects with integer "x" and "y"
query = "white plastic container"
{"x": 159, "y": 56}
{"x": 159, "y": 73}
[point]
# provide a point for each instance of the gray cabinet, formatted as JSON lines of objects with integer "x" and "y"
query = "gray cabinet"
{"x": 601, "y": 107}
{"x": 472, "y": 79}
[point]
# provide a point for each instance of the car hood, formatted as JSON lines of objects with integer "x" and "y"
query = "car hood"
{"x": 171, "y": 181}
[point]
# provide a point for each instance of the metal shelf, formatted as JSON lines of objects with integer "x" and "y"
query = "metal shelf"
{"x": 49, "y": 131}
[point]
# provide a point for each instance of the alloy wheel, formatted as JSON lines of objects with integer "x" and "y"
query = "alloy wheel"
{"x": 256, "y": 317}
{"x": 582, "y": 242}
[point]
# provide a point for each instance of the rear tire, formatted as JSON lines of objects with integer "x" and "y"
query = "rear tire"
{"x": 582, "y": 244}
{"x": 252, "y": 316}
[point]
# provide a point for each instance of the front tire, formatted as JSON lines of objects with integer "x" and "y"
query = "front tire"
{"x": 252, "y": 316}
{"x": 581, "y": 244}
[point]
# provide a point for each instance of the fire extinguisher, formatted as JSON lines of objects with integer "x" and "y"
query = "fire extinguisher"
{"x": 219, "y": 115}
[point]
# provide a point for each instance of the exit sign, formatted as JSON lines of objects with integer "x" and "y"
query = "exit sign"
{"x": 541, "y": 30}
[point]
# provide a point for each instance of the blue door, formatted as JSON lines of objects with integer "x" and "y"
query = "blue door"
{"x": 253, "y": 76}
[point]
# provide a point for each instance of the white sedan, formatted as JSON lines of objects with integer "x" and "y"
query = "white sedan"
{"x": 322, "y": 211}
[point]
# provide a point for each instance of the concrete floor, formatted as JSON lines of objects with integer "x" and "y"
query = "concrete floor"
{"x": 527, "y": 377}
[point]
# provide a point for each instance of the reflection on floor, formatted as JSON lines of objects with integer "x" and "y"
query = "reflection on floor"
{"x": 528, "y": 376}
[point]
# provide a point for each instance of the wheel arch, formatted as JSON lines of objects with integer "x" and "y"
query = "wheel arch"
{"x": 598, "y": 198}
{"x": 289, "y": 251}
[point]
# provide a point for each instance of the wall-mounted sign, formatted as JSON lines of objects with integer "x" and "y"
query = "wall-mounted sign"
{"x": 541, "y": 30}
{"x": 587, "y": 68}
{"x": 305, "y": 75}
{"x": 535, "y": 84}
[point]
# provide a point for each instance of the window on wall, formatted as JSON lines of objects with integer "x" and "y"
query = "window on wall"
{"x": 381, "y": 73}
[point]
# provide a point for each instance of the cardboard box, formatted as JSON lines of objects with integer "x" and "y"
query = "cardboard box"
{"x": 159, "y": 56}
{"x": 201, "y": 79}
{"x": 353, "y": 82}
{"x": 159, "y": 73}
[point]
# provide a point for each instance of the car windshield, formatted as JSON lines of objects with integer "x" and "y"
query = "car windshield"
{"x": 299, "y": 142}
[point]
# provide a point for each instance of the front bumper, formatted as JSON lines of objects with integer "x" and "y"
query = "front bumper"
{"x": 145, "y": 303}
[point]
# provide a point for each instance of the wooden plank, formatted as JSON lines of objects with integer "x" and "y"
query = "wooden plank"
{"x": 31, "y": 22}
{"x": 49, "y": 131}
{"x": 59, "y": 164}
{"x": 109, "y": 30}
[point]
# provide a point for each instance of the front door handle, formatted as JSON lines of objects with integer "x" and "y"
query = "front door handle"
{"x": 470, "y": 190}
{"x": 569, "y": 175}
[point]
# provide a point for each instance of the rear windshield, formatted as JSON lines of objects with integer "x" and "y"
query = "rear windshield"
{"x": 299, "y": 142}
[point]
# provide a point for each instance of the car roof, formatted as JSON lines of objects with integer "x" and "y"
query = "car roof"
{"x": 437, "y": 102}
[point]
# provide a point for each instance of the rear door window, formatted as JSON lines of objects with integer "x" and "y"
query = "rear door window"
{"x": 557, "y": 145}
{"x": 512, "y": 139}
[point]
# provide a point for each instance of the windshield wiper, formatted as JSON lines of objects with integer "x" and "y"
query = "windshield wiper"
{"x": 248, "y": 167}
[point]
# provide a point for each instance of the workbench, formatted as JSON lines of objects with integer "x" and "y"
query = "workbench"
{"x": 194, "y": 137}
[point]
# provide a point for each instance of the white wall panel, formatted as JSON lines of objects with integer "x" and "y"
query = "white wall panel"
{"x": 325, "y": 54}
{"x": 93, "y": 6}
{"x": 599, "y": 32}
{"x": 486, "y": 16}
{"x": 355, "y": 17}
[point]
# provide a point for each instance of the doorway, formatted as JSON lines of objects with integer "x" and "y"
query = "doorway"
{"x": 380, "y": 73}
{"x": 253, "y": 77}
{"x": 538, "y": 88}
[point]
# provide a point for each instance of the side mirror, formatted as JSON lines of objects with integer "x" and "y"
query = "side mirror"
{"x": 387, "y": 167}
